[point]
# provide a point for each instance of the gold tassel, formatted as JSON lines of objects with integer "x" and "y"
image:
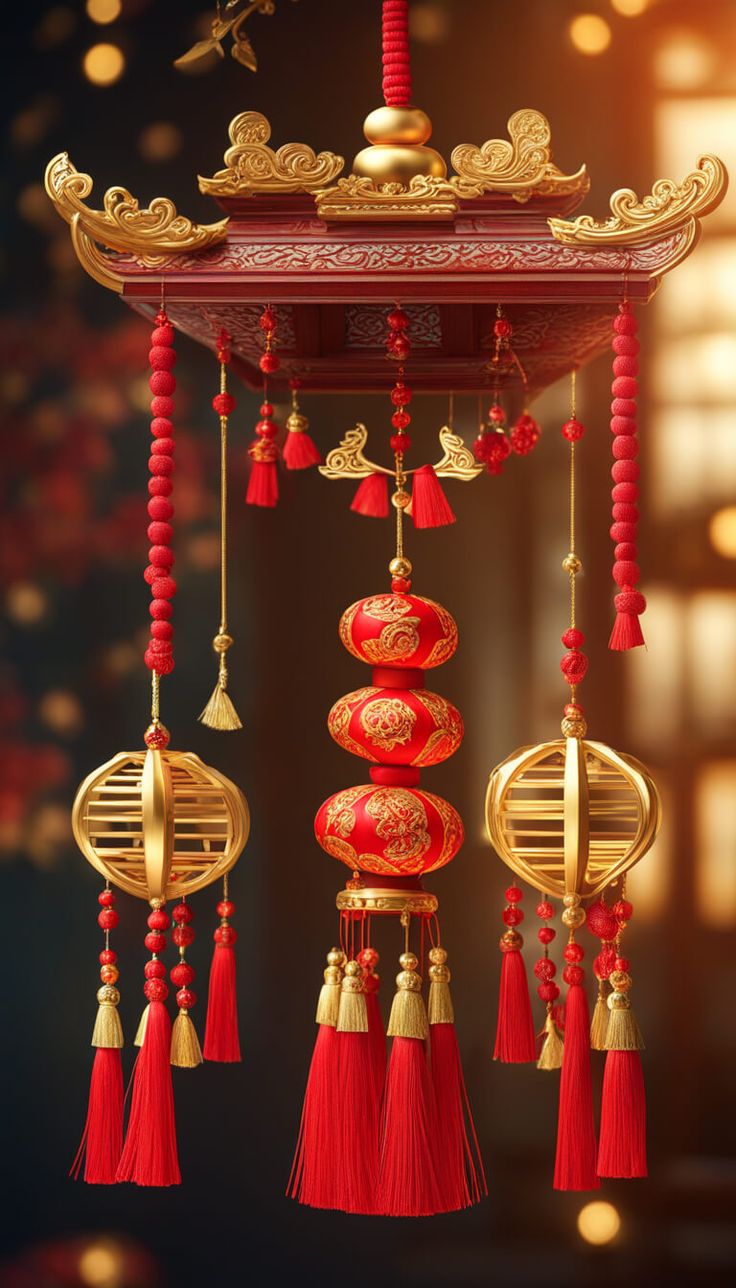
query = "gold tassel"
{"x": 599, "y": 1022}
{"x": 352, "y": 1016}
{"x": 108, "y": 1031}
{"x": 185, "y": 1049}
{"x": 408, "y": 1018}
{"x": 140, "y": 1032}
{"x": 623, "y": 1032}
{"x": 328, "y": 1003}
{"x": 439, "y": 1007}
{"x": 220, "y": 712}
{"x": 550, "y": 1057}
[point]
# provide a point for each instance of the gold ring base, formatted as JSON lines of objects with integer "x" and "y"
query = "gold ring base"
{"x": 390, "y": 902}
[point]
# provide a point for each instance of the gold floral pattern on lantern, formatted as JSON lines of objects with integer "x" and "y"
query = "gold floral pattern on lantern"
{"x": 445, "y": 647}
{"x": 449, "y": 731}
{"x": 388, "y": 722}
{"x": 454, "y": 832}
{"x": 340, "y": 813}
{"x": 386, "y": 608}
{"x": 338, "y": 720}
{"x": 401, "y": 819}
{"x": 396, "y": 641}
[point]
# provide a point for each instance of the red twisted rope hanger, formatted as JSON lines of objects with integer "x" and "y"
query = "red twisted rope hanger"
{"x": 397, "y": 88}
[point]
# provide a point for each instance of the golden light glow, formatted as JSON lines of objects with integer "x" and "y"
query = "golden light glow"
{"x": 590, "y": 34}
{"x": 681, "y": 124}
{"x": 104, "y": 64}
{"x": 103, "y": 11}
{"x": 703, "y": 362}
{"x": 25, "y": 603}
{"x": 630, "y": 8}
{"x": 649, "y": 883}
{"x": 711, "y": 634}
{"x": 101, "y": 1265}
{"x": 655, "y": 675}
{"x": 61, "y": 711}
{"x": 722, "y": 531}
{"x": 598, "y": 1223}
{"x": 160, "y": 141}
{"x": 715, "y": 844}
{"x": 702, "y": 435}
{"x": 684, "y": 60}
{"x": 702, "y": 293}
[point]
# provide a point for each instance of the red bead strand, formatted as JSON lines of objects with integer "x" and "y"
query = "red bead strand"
{"x": 629, "y": 601}
{"x": 159, "y": 655}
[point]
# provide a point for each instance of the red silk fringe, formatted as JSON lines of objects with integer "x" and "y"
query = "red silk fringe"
{"x": 149, "y": 1154}
{"x": 622, "y": 1147}
{"x": 102, "y": 1139}
{"x": 263, "y": 485}
{"x": 575, "y": 1163}
{"x": 371, "y": 497}
{"x": 515, "y": 1040}
{"x": 377, "y": 1040}
{"x": 355, "y": 1105}
{"x": 314, "y": 1176}
{"x": 626, "y": 633}
{"x": 459, "y": 1164}
{"x": 429, "y": 505}
{"x": 221, "y": 1038}
{"x": 408, "y": 1184}
{"x": 300, "y": 451}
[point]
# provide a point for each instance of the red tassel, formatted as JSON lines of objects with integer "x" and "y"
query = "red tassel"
{"x": 408, "y": 1184}
{"x": 221, "y": 1038}
{"x": 429, "y": 505}
{"x": 102, "y": 1140}
{"x": 314, "y": 1174}
{"x": 627, "y": 632}
{"x": 575, "y": 1163}
{"x": 371, "y": 497}
{"x": 355, "y": 1105}
{"x": 149, "y": 1155}
{"x": 459, "y": 1164}
{"x": 263, "y": 484}
{"x": 376, "y": 1038}
{"x": 515, "y": 1042}
{"x": 300, "y": 451}
{"x": 622, "y": 1147}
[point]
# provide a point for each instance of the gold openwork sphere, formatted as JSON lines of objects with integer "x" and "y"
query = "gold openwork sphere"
{"x": 570, "y": 816}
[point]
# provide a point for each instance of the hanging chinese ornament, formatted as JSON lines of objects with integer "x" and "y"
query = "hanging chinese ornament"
{"x": 158, "y": 824}
{"x": 570, "y": 818}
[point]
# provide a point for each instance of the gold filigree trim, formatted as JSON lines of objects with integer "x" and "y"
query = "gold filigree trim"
{"x": 668, "y": 207}
{"x": 394, "y": 902}
{"x": 151, "y": 234}
{"x": 520, "y": 166}
{"x": 251, "y": 166}
{"x": 359, "y": 197}
{"x": 348, "y": 459}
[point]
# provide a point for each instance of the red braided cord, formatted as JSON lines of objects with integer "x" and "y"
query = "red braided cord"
{"x": 629, "y": 601}
{"x": 396, "y": 66}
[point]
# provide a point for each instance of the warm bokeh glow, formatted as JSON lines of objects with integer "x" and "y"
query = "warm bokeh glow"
{"x": 711, "y": 635}
{"x": 103, "y": 11}
{"x": 160, "y": 141}
{"x": 598, "y": 1223}
{"x": 648, "y": 883}
{"x": 101, "y": 1265}
{"x": 680, "y": 127}
{"x": 104, "y": 64}
{"x": 715, "y": 844}
{"x": 684, "y": 60}
{"x": 722, "y": 531}
{"x": 589, "y": 33}
{"x": 703, "y": 362}
{"x": 655, "y": 675}
{"x": 704, "y": 437}
{"x": 630, "y": 8}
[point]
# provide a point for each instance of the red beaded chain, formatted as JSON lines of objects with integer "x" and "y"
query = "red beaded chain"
{"x": 545, "y": 969}
{"x": 155, "y": 987}
{"x": 512, "y": 917}
{"x": 159, "y": 655}
{"x": 107, "y": 920}
{"x": 629, "y": 602}
{"x": 182, "y": 975}
{"x": 225, "y": 933}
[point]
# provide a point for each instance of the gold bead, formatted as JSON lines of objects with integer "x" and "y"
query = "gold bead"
{"x": 336, "y": 957}
{"x": 108, "y": 995}
{"x": 109, "y": 974}
{"x": 440, "y": 974}
{"x": 620, "y": 981}
{"x": 397, "y": 125}
{"x": 408, "y": 961}
{"x": 400, "y": 499}
{"x": 510, "y": 940}
{"x": 397, "y": 154}
{"x": 400, "y": 567}
{"x": 571, "y": 563}
{"x": 409, "y": 981}
{"x": 571, "y": 900}
{"x": 573, "y": 917}
{"x": 352, "y": 969}
{"x": 438, "y": 956}
{"x": 573, "y": 727}
{"x": 221, "y": 643}
{"x": 296, "y": 423}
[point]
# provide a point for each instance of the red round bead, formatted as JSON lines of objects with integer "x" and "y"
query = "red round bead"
{"x": 162, "y": 631}
{"x": 225, "y": 935}
{"x": 498, "y": 447}
{"x": 573, "y": 952}
{"x": 400, "y": 419}
{"x": 161, "y": 556}
{"x": 106, "y": 898}
{"x": 545, "y": 910}
{"x": 182, "y": 914}
{"x": 496, "y": 414}
{"x": 160, "y": 610}
{"x": 546, "y": 934}
{"x": 399, "y": 348}
{"x": 604, "y": 963}
{"x": 158, "y": 919}
{"x": 401, "y": 395}
{"x": 625, "y": 550}
{"x": 181, "y": 974}
{"x": 623, "y": 910}
{"x": 160, "y": 508}
{"x": 626, "y": 492}
{"x": 573, "y": 638}
{"x": 162, "y": 383}
{"x": 502, "y": 328}
{"x": 625, "y": 471}
{"x": 513, "y": 894}
{"x": 161, "y": 465}
{"x": 225, "y": 908}
{"x": 545, "y": 969}
{"x": 162, "y": 427}
{"x": 398, "y": 320}
{"x": 548, "y": 992}
{"x": 160, "y": 486}
{"x": 163, "y": 334}
{"x": 154, "y": 970}
{"x": 626, "y": 572}
{"x": 162, "y": 357}
{"x": 182, "y": 936}
{"x": 267, "y": 320}
{"x": 573, "y": 430}
{"x": 625, "y": 447}
{"x": 367, "y": 958}
{"x": 162, "y": 405}
{"x": 266, "y": 409}
{"x": 156, "y": 990}
{"x": 186, "y": 999}
{"x": 161, "y": 663}
{"x": 401, "y": 585}
{"x": 223, "y": 404}
{"x": 621, "y": 963}
{"x": 601, "y": 921}
{"x": 108, "y": 957}
{"x": 513, "y": 916}
{"x": 107, "y": 919}
{"x": 163, "y": 447}
{"x": 154, "y": 942}
{"x": 268, "y": 362}
{"x": 573, "y": 974}
{"x": 163, "y": 588}
{"x": 160, "y": 534}
{"x": 480, "y": 447}
{"x": 574, "y": 667}
{"x": 625, "y": 323}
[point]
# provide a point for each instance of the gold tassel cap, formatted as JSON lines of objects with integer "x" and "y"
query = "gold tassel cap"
{"x": 623, "y": 1033}
{"x": 408, "y": 1017}
{"x": 439, "y": 1007}
{"x": 599, "y": 1021}
{"x": 220, "y": 712}
{"x": 328, "y": 1003}
{"x": 140, "y": 1032}
{"x": 352, "y": 1015}
{"x": 108, "y": 1031}
{"x": 550, "y": 1057}
{"x": 186, "y": 1052}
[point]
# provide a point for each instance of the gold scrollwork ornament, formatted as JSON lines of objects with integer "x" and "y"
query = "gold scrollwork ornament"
{"x": 251, "y": 166}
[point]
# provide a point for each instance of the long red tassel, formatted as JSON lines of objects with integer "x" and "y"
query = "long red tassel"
{"x": 221, "y": 1037}
{"x": 102, "y": 1140}
{"x": 263, "y": 484}
{"x": 357, "y": 1113}
{"x": 622, "y": 1145}
{"x": 408, "y": 1184}
{"x": 429, "y": 505}
{"x": 515, "y": 1042}
{"x": 376, "y": 1033}
{"x": 300, "y": 451}
{"x": 459, "y": 1164}
{"x": 314, "y": 1174}
{"x": 371, "y": 497}
{"x": 149, "y": 1154}
{"x": 575, "y": 1162}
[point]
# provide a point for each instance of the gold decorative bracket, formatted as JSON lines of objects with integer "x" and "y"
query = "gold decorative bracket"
{"x": 359, "y": 197}
{"x": 151, "y": 234}
{"x": 520, "y": 166}
{"x": 348, "y": 460}
{"x": 668, "y": 208}
{"x": 251, "y": 166}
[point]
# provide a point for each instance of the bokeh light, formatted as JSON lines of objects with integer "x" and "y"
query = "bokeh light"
{"x": 61, "y": 711}
{"x": 103, "y": 11}
{"x": 590, "y": 34}
{"x": 25, "y": 603}
{"x": 101, "y": 1265}
{"x": 56, "y": 26}
{"x": 429, "y": 23}
{"x": 684, "y": 60}
{"x": 630, "y": 8}
{"x": 598, "y": 1223}
{"x": 160, "y": 141}
{"x": 722, "y": 531}
{"x": 104, "y": 64}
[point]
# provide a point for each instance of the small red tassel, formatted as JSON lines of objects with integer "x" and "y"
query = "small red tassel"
{"x": 300, "y": 451}
{"x": 429, "y": 505}
{"x": 627, "y": 632}
{"x": 575, "y": 1163}
{"x": 356, "y": 1109}
{"x": 221, "y": 1038}
{"x": 102, "y": 1140}
{"x": 408, "y": 1184}
{"x": 371, "y": 497}
{"x": 149, "y": 1155}
{"x": 263, "y": 485}
{"x": 459, "y": 1164}
{"x": 622, "y": 1147}
{"x": 314, "y": 1175}
{"x": 515, "y": 1041}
